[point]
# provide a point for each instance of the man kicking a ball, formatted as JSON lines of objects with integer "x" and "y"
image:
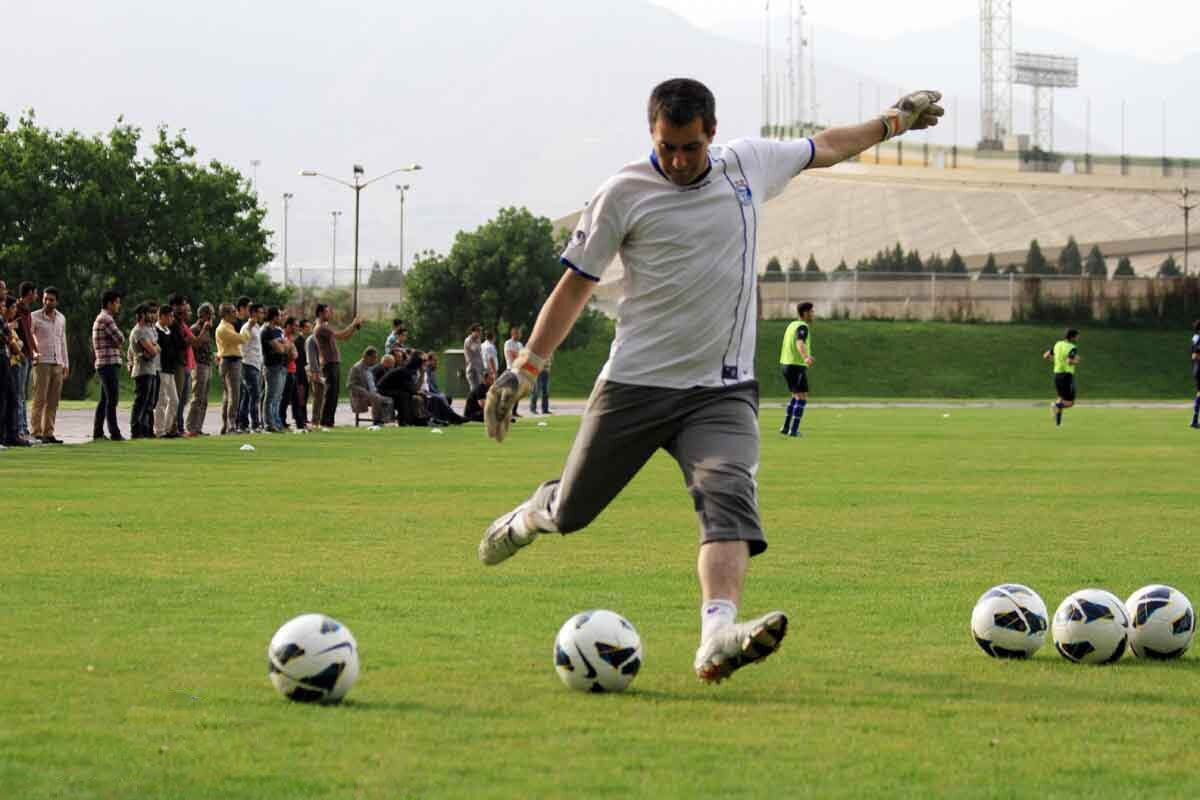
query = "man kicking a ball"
{"x": 680, "y": 374}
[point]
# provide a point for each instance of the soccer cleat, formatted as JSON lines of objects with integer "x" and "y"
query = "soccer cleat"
{"x": 734, "y": 646}
{"x": 501, "y": 541}
{"x": 1194, "y": 425}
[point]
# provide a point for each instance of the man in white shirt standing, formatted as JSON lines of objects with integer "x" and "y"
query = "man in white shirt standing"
{"x": 512, "y": 349}
{"x": 52, "y": 367}
{"x": 491, "y": 359}
{"x": 680, "y": 374}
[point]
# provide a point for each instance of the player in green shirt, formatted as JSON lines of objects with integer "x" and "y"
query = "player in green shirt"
{"x": 1065, "y": 355}
{"x": 796, "y": 357}
{"x": 1196, "y": 372}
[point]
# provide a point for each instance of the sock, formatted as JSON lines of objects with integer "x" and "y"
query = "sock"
{"x": 791, "y": 409}
{"x": 800, "y": 406}
{"x": 716, "y": 614}
{"x": 1058, "y": 409}
{"x": 1196, "y": 411}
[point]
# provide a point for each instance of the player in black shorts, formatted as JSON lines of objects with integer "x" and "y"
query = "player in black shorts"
{"x": 1196, "y": 372}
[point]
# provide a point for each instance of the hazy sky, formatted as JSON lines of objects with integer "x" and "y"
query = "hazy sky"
{"x": 1156, "y": 30}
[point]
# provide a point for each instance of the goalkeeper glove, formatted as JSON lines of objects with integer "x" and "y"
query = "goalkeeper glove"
{"x": 513, "y": 385}
{"x": 912, "y": 113}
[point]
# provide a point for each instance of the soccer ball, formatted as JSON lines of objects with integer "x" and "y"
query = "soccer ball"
{"x": 1091, "y": 627}
{"x": 1009, "y": 621}
{"x": 1163, "y": 622}
{"x": 313, "y": 659}
{"x": 597, "y": 651}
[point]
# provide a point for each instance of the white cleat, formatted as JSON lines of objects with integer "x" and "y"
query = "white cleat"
{"x": 501, "y": 542}
{"x": 734, "y": 646}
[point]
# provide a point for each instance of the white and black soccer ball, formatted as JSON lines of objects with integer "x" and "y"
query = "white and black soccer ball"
{"x": 1010, "y": 621}
{"x": 313, "y": 659}
{"x": 1091, "y": 627}
{"x": 1163, "y": 622}
{"x": 597, "y": 651}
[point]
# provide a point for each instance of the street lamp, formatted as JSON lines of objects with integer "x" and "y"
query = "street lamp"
{"x": 286, "y": 196}
{"x": 402, "y": 188}
{"x": 358, "y": 185}
{"x": 254, "y": 162}
{"x": 333, "y": 255}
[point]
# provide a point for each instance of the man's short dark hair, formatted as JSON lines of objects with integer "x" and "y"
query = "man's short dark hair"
{"x": 1071, "y": 333}
{"x": 254, "y": 307}
{"x": 370, "y": 351}
{"x": 178, "y": 299}
{"x": 272, "y": 314}
{"x": 475, "y": 327}
{"x": 10, "y": 301}
{"x": 303, "y": 322}
{"x": 681, "y": 100}
{"x": 289, "y": 321}
{"x": 242, "y": 302}
{"x": 804, "y": 308}
{"x": 397, "y": 322}
{"x": 1196, "y": 326}
{"x": 165, "y": 308}
{"x": 25, "y": 288}
{"x": 109, "y": 296}
{"x": 50, "y": 290}
{"x": 321, "y": 307}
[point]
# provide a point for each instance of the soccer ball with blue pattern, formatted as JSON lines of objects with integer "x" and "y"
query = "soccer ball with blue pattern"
{"x": 1091, "y": 627}
{"x": 597, "y": 651}
{"x": 1163, "y": 622}
{"x": 1009, "y": 621}
{"x": 313, "y": 659}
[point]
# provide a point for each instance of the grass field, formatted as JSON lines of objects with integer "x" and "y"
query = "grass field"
{"x": 138, "y": 593}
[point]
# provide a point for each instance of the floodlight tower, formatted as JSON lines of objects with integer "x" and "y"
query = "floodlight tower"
{"x": 995, "y": 72}
{"x": 1045, "y": 73}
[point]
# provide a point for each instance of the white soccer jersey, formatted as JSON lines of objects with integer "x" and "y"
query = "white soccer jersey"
{"x": 687, "y": 315}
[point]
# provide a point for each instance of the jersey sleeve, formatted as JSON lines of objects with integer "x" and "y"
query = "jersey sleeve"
{"x": 802, "y": 334}
{"x": 598, "y": 235}
{"x": 779, "y": 162}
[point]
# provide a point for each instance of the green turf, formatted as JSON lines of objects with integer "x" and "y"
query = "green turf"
{"x": 141, "y": 585}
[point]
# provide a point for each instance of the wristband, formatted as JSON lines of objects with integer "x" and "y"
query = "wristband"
{"x": 530, "y": 362}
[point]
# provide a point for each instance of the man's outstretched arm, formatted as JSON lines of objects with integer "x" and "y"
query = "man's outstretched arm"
{"x": 911, "y": 112}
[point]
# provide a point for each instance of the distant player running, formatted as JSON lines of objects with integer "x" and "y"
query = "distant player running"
{"x": 796, "y": 358}
{"x": 680, "y": 374}
{"x": 1065, "y": 354}
{"x": 1196, "y": 372}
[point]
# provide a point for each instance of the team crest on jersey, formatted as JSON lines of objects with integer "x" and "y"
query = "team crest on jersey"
{"x": 743, "y": 192}
{"x": 580, "y": 236}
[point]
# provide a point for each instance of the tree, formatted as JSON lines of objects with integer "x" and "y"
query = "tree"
{"x": 1168, "y": 268}
{"x": 1095, "y": 266}
{"x": 935, "y": 264}
{"x": 1069, "y": 260}
{"x": 912, "y": 262}
{"x": 86, "y": 214}
{"x": 1035, "y": 262}
{"x": 956, "y": 266}
{"x": 811, "y": 271}
{"x": 499, "y": 274}
{"x": 774, "y": 270}
{"x": 989, "y": 266}
{"x": 388, "y": 276}
{"x": 794, "y": 268}
{"x": 1124, "y": 268}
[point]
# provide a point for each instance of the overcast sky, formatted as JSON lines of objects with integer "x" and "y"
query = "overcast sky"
{"x": 1157, "y": 30}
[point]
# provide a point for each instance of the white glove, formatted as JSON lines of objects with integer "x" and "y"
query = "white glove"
{"x": 912, "y": 113}
{"x": 510, "y": 388}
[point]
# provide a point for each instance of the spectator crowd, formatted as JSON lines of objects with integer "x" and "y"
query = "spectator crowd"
{"x": 270, "y": 366}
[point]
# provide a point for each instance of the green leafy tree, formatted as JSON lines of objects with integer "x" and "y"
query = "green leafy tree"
{"x": 1035, "y": 262}
{"x": 1095, "y": 266}
{"x": 499, "y": 274}
{"x": 794, "y": 268}
{"x": 90, "y": 213}
{"x": 774, "y": 270}
{"x": 912, "y": 262}
{"x": 1168, "y": 268}
{"x": 1070, "y": 262}
{"x": 1124, "y": 268}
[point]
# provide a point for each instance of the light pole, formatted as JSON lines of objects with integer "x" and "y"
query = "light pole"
{"x": 254, "y": 162}
{"x": 358, "y": 185}
{"x": 286, "y": 196}
{"x": 1187, "y": 210}
{"x": 333, "y": 256}
{"x": 402, "y": 188}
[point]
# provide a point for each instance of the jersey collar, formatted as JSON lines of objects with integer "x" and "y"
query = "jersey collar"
{"x": 658, "y": 168}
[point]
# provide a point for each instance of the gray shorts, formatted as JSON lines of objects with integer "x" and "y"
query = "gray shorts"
{"x": 711, "y": 432}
